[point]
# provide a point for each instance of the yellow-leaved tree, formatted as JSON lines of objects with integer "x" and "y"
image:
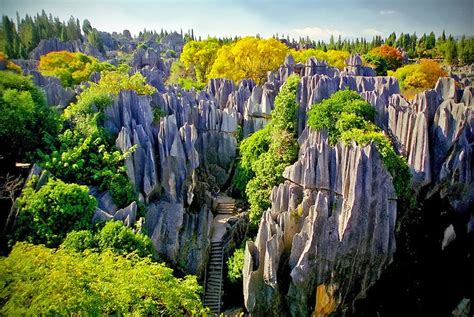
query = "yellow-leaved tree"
{"x": 334, "y": 58}
{"x": 249, "y": 57}
{"x": 199, "y": 56}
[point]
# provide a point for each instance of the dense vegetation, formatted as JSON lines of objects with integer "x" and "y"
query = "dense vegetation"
{"x": 26, "y": 119}
{"x": 113, "y": 236}
{"x": 334, "y": 58}
{"x": 267, "y": 152}
{"x": 35, "y": 280}
{"x": 46, "y": 215}
{"x": 384, "y": 58}
{"x": 348, "y": 117}
{"x": 70, "y": 68}
{"x": 235, "y": 264}
{"x": 414, "y": 78}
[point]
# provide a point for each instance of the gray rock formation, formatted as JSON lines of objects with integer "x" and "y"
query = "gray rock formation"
{"x": 354, "y": 67}
{"x": 435, "y": 133}
{"x": 56, "y": 94}
{"x": 46, "y": 46}
{"x": 331, "y": 223}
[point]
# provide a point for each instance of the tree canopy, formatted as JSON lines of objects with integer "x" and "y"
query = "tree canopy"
{"x": 36, "y": 281}
{"x": 249, "y": 57}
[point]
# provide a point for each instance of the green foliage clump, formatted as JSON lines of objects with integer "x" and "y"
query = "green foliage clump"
{"x": 71, "y": 68}
{"x": 122, "y": 240}
{"x": 37, "y": 281}
{"x": 345, "y": 109}
{"x": 46, "y": 215}
{"x": 235, "y": 264}
{"x": 348, "y": 117}
{"x": 91, "y": 160}
{"x": 378, "y": 62}
{"x": 267, "y": 152}
{"x": 114, "y": 236}
{"x": 25, "y": 118}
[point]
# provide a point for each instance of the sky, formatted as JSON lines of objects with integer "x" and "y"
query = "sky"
{"x": 317, "y": 19}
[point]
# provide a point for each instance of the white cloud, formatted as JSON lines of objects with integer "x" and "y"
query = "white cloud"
{"x": 315, "y": 32}
{"x": 372, "y": 32}
{"x": 386, "y": 12}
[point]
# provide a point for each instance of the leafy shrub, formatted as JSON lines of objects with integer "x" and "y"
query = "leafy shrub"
{"x": 327, "y": 114}
{"x": 70, "y": 68}
{"x": 40, "y": 281}
{"x": 379, "y": 63}
{"x": 122, "y": 240}
{"x": 79, "y": 241}
{"x": 25, "y": 118}
{"x": 235, "y": 264}
{"x": 46, "y": 215}
{"x": 114, "y": 236}
{"x": 266, "y": 153}
{"x": 414, "y": 78}
{"x": 93, "y": 161}
{"x": 348, "y": 117}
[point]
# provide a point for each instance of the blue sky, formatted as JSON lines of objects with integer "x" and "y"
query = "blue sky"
{"x": 317, "y": 19}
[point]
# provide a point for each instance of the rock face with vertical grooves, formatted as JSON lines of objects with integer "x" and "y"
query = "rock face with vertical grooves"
{"x": 435, "y": 132}
{"x": 331, "y": 223}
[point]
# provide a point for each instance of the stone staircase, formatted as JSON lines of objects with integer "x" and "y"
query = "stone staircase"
{"x": 213, "y": 293}
{"x": 215, "y": 267}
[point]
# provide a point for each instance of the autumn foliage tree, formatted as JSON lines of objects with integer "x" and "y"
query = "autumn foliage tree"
{"x": 70, "y": 68}
{"x": 384, "y": 54}
{"x": 417, "y": 77}
{"x": 199, "y": 56}
{"x": 249, "y": 57}
{"x": 334, "y": 58}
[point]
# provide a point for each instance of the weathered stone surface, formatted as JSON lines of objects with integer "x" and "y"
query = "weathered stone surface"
{"x": 46, "y": 46}
{"x": 56, "y": 94}
{"x": 354, "y": 67}
{"x": 334, "y": 216}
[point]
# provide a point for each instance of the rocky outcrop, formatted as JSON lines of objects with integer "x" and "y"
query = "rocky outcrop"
{"x": 330, "y": 229}
{"x": 56, "y": 94}
{"x": 46, "y": 46}
{"x": 355, "y": 68}
{"x": 435, "y": 132}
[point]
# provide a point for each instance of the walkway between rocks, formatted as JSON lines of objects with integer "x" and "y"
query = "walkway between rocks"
{"x": 215, "y": 267}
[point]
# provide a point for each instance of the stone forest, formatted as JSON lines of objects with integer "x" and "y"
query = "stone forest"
{"x": 167, "y": 174}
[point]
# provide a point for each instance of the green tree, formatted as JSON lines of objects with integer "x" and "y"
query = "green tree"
{"x": 37, "y": 281}
{"x": 26, "y": 120}
{"x": 47, "y": 214}
{"x": 199, "y": 56}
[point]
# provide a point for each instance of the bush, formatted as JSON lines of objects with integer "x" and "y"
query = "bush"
{"x": 348, "y": 117}
{"x": 79, "y": 241}
{"x": 91, "y": 160}
{"x": 378, "y": 62}
{"x": 235, "y": 265}
{"x": 45, "y": 216}
{"x": 122, "y": 240}
{"x": 25, "y": 119}
{"x": 114, "y": 236}
{"x": 37, "y": 281}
